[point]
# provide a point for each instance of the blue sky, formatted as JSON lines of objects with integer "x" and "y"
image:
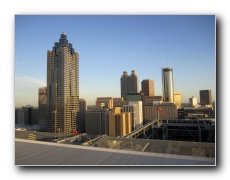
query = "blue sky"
{"x": 109, "y": 45}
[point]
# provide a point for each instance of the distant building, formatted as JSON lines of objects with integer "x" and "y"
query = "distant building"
{"x": 178, "y": 100}
{"x": 205, "y": 97}
{"x": 62, "y": 86}
{"x": 167, "y": 84}
{"x": 135, "y": 97}
{"x": 199, "y": 112}
{"x": 137, "y": 100}
{"x": 193, "y": 101}
{"x": 147, "y": 87}
{"x": 149, "y": 100}
{"x": 27, "y": 115}
{"x": 21, "y": 116}
{"x": 135, "y": 108}
{"x": 124, "y": 84}
{"x": 80, "y": 124}
{"x": 119, "y": 102}
{"x": 109, "y": 102}
{"x": 42, "y": 106}
{"x": 168, "y": 111}
{"x": 95, "y": 122}
{"x": 134, "y": 82}
{"x": 104, "y": 103}
{"x": 117, "y": 123}
{"x": 129, "y": 84}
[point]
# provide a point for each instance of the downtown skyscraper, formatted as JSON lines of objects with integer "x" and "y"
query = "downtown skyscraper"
{"x": 205, "y": 97}
{"x": 129, "y": 83}
{"x": 167, "y": 84}
{"x": 62, "y": 86}
{"x": 147, "y": 87}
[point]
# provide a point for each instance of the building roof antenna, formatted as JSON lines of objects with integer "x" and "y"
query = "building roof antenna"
{"x": 166, "y": 62}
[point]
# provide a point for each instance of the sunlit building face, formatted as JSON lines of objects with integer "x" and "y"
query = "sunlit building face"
{"x": 62, "y": 86}
{"x": 167, "y": 84}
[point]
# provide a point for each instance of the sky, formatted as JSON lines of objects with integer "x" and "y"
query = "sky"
{"x": 110, "y": 44}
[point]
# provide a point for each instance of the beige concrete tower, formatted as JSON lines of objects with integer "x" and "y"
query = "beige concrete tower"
{"x": 62, "y": 86}
{"x": 147, "y": 87}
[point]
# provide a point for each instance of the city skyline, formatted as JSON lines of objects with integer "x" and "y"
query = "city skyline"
{"x": 109, "y": 45}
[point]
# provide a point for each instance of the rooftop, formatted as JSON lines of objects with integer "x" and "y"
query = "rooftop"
{"x": 39, "y": 153}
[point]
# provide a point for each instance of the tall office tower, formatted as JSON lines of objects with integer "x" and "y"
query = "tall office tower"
{"x": 62, "y": 86}
{"x": 134, "y": 82}
{"x": 205, "y": 97}
{"x": 124, "y": 84}
{"x": 80, "y": 124}
{"x": 193, "y": 101}
{"x": 167, "y": 84}
{"x": 129, "y": 84}
{"x": 177, "y": 99}
{"x": 147, "y": 87}
{"x": 42, "y": 106}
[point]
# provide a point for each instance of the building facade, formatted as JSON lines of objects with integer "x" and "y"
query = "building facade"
{"x": 134, "y": 82}
{"x": 167, "y": 84}
{"x": 149, "y": 100}
{"x": 135, "y": 108}
{"x": 62, "y": 86}
{"x": 119, "y": 102}
{"x": 205, "y": 97}
{"x": 95, "y": 122}
{"x": 177, "y": 99}
{"x": 168, "y": 111}
{"x": 104, "y": 103}
{"x": 147, "y": 87}
{"x": 129, "y": 83}
{"x": 117, "y": 123}
{"x": 193, "y": 101}
{"x": 80, "y": 125}
{"x": 42, "y": 106}
{"x": 27, "y": 115}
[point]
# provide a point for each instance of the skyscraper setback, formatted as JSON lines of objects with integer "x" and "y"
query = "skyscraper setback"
{"x": 62, "y": 86}
{"x": 167, "y": 84}
{"x": 129, "y": 84}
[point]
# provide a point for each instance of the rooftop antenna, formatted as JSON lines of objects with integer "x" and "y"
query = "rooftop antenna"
{"x": 167, "y": 62}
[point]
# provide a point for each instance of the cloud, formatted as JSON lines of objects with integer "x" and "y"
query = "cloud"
{"x": 18, "y": 62}
{"x": 29, "y": 81}
{"x": 26, "y": 90}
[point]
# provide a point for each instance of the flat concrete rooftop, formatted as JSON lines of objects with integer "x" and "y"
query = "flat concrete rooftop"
{"x": 39, "y": 153}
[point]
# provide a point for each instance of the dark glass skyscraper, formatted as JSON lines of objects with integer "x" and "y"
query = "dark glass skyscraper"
{"x": 62, "y": 86}
{"x": 205, "y": 97}
{"x": 167, "y": 84}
